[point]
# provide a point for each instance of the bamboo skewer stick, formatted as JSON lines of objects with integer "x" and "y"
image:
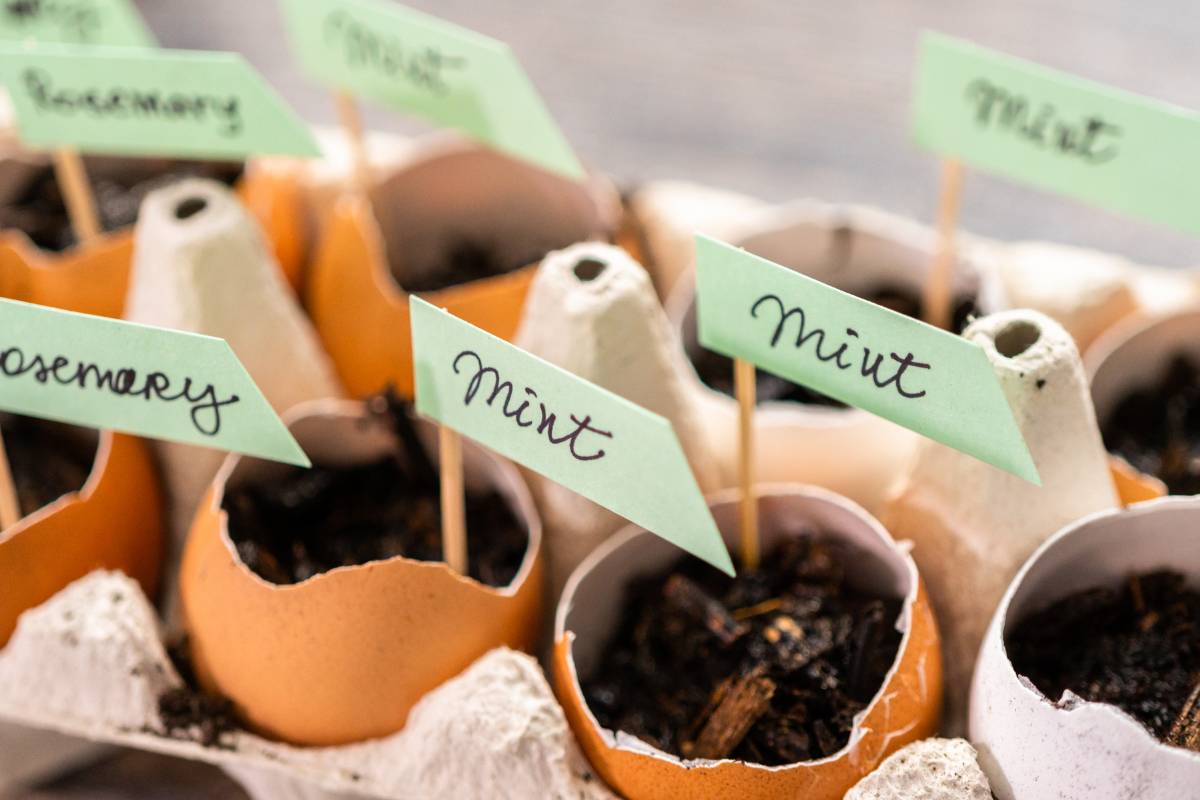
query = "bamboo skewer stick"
{"x": 454, "y": 527}
{"x": 352, "y": 123}
{"x": 77, "y": 194}
{"x": 744, "y": 389}
{"x": 10, "y": 508}
{"x": 937, "y": 288}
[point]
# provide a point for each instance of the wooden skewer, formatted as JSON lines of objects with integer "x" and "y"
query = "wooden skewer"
{"x": 352, "y": 123}
{"x": 743, "y": 386}
{"x": 77, "y": 193}
{"x": 937, "y": 289}
{"x": 454, "y": 518}
{"x": 10, "y": 509}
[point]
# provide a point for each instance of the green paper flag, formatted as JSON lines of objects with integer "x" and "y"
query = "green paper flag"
{"x": 105, "y": 373}
{"x": 588, "y": 439}
{"x": 113, "y": 23}
{"x": 421, "y": 64}
{"x": 1055, "y": 131}
{"x": 125, "y": 101}
{"x": 935, "y": 383}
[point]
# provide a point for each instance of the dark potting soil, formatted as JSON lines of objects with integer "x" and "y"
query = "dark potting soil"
{"x": 1156, "y": 428}
{"x": 1136, "y": 646}
{"x": 187, "y": 712}
{"x": 313, "y": 520}
{"x": 769, "y": 667}
{"x": 47, "y": 459}
{"x": 41, "y": 213}
{"x": 468, "y": 260}
{"x": 716, "y": 370}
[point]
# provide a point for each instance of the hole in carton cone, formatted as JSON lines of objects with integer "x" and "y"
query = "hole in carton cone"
{"x": 1016, "y": 338}
{"x": 190, "y": 207}
{"x": 589, "y": 269}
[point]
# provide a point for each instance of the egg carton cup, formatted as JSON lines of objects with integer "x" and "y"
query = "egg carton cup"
{"x": 90, "y": 664}
{"x": 1032, "y": 746}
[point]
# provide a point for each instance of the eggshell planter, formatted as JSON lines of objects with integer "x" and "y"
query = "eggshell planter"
{"x": 343, "y": 656}
{"x": 114, "y": 522}
{"x": 846, "y": 450}
{"x": 448, "y": 192}
{"x": 1032, "y": 746}
{"x": 906, "y": 707}
{"x": 1135, "y": 354}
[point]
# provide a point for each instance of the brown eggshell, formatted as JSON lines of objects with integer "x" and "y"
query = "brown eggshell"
{"x": 359, "y": 309}
{"x": 344, "y": 655}
{"x": 114, "y": 522}
{"x": 274, "y": 200}
{"x": 1134, "y": 486}
{"x": 906, "y": 708}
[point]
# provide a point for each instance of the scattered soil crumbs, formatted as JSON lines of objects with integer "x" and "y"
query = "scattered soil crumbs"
{"x": 769, "y": 667}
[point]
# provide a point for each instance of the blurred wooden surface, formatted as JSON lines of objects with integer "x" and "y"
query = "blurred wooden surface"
{"x": 778, "y": 100}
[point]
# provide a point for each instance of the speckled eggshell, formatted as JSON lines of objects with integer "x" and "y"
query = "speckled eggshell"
{"x": 853, "y": 249}
{"x": 1033, "y": 748}
{"x": 343, "y": 656}
{"x": 114, "y": 522}
{"x": 447, "y": 190}
{"x": 906, "y": 708}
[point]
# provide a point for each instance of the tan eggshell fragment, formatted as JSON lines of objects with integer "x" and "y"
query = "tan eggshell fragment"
{"x": 592, "y": 311}
{"x": 973, "y": 525}
{"x": 1135, "y": 354}
{"x": 211, "y": 273}
{"x": 854, "y": 249}
{"x": 905, "y": 709}
{"x": 1085, "y": 291}
{"x": 114, "y": 522}
{"x": 344, "y": 655}
{"x": 90, "y": 279}
{"x": 662, "y": 217}
{"x": 447, "y": 192}
{"x": 1034, "y": 747}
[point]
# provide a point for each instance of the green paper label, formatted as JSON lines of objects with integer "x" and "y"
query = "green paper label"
{"x": 106, "y": 373}
{"x": 935, "y": 383}
{"x": 417, "y": 63}
{"x": 113, "y": 23}
{"x": 1058, "y": 132}
{"x": 124, "y": 101}
{"x": 588, "y": 439}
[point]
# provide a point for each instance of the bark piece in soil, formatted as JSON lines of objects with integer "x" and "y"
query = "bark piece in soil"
{"x": 1156, "y": 428}
{"x": 47, "y": 459}
{"x": 41, "y": 213}
{"x": 1136, "y": 646}
{"x": 716, "y": 370}
{"x": 311, "y": 521}
{"x": 790, "y": 649}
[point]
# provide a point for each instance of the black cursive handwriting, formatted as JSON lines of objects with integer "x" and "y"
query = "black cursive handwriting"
{"x": 205, "y": 404}
{"x": 547, "y": 418}
{"x": 364, "y": 48}
{"x": 79, "y": 20}
{"x": 1091, "y": 139}
{"x": 868, "y": 368}
{"x": 125, "y": 103}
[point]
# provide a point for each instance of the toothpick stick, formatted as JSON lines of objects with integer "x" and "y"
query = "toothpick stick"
{"x": 743, "y": 386}
{"x": 454, "y": 524}
{"x": 77, "y": 193}
{"x": 937, "y": 289}
{"x": 10, "y": 509}
{"x": 352, "y": 123}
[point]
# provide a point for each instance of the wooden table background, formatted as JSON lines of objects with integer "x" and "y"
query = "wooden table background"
{"x": 775, "y": 99}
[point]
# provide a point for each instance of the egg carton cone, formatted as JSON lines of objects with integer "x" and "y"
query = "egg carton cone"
{"x": 90, "y": 663}
{"x": 931, "y": 769}
{"x": 663, "y": 216}
{"x": 201, "y": 265}
{"x": 858, "y": 250}
{"x": 973, "y": 525}
{"x": 592, "y": 311}
{"x": 1067, "y": 748}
